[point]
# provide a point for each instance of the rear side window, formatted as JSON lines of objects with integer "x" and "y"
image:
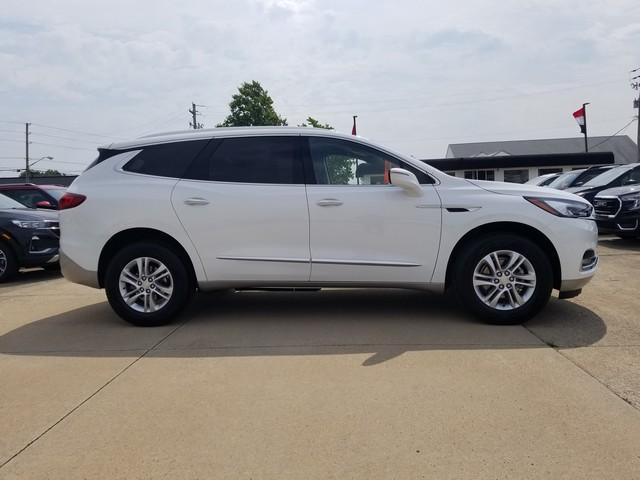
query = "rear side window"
{"x": 27, "y": 197}
{"x": 166, "y": 160}
{"x": 274, "y": 160}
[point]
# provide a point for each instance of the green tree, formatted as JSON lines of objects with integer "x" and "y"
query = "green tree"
{"x": 41, "y": 173}
{"x": 339, "y": 169}
{"x": 312, "y": 122}
{"x": 252, "y": 106}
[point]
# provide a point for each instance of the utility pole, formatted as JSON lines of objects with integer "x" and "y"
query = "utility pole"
{"x": 194, "y": 116}
{"x": 635, "y": 84}
{"x": 26, "y": 151}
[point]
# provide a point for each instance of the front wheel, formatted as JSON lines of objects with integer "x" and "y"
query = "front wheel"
{"x": 8, "y": 263}
{"x": 504, "y": 279}
{"x": 147, "y": 284}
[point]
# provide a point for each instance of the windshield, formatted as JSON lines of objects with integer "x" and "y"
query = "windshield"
{"x": 607, "y": 177}
{"x": 56, "y": 193}
{"x": 565, "y": 180}
{"x": 588, "y": 175}
{"x": 6, "y": 202}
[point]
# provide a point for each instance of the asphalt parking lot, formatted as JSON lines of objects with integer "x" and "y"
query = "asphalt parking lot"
{"x": 331, "y": 384}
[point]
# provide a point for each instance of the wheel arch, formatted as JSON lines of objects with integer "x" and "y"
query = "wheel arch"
{"x": 136, "y": 235}
{"x": 520, "y": 229}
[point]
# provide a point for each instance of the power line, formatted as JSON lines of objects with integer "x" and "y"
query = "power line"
{"x": 76, "y": 131}
{"x": 63, "y": 146}
{"x": 63, "y": 138}
{"x": 610, "y": 137}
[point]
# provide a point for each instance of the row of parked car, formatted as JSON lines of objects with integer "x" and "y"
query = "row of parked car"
{"x": 29, "y": 227}
{"x": 30, "y": 232}
{"x": 614, "y": 191}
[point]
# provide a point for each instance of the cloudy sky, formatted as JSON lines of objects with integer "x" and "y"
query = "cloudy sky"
{"x": 419, "y": 74}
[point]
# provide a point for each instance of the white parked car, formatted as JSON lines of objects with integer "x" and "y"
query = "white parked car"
{"x": 157, "y": 218}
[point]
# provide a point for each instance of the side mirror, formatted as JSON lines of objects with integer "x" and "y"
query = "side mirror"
{"x": 407, "y": 180}
{"x": 44, "y": 204}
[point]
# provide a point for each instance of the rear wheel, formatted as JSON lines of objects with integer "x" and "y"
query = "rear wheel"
{"x": 147, "y": 284}
{"x": 8, "y": 262}
{"x": 503, "y": 278}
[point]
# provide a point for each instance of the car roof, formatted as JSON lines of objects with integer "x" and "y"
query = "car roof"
{"x": 219, "y": 132}
{"x": 22, "y": 186}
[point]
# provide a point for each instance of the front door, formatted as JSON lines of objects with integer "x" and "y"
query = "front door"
{"x": 363, "y": 229}
{"x": 243, "y": 204}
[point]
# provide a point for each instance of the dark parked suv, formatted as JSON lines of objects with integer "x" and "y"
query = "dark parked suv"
{"x": 616, "y": 177}
{"x": 28, "y": 238}
{"x": 618, "y": 211}
{"x": 34, "y": 196}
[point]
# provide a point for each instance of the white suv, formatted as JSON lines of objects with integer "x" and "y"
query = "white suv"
{"x": 154, "y": 219}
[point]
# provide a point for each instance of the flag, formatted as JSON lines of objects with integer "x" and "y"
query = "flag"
{"x": 354, "y": 130}
{"x": 580, "y": 118}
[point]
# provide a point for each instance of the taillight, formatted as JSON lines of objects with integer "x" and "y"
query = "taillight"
{"x": 70, "y": 200}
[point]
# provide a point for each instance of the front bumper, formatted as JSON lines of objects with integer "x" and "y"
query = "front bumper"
{"x": 620, "y": 224}
{"x": 35, "y": 247}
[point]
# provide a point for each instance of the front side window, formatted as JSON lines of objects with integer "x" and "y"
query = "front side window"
{"x": 341, "y": 162}
{"x": 272, "y": 160}
{"x": 165, "y": 160}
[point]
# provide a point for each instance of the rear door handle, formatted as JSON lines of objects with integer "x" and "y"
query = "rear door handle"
{"x": 329, "y": 202}
{"x": 196, "y": 201}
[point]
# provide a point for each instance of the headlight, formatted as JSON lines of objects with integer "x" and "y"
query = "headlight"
{"x": 562, "y": 207}
{"x": 29, "y": 223}
{"x": 631, "y": 201}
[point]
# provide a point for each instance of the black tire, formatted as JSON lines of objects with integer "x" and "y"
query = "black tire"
{"x": 9, "y": 265}
{"x": 182, "y": 287}
{"x": 472, "y": 254}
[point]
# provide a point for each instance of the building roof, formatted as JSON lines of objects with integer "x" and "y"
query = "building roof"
{"x": 623, "y": 148}
{"x": 522, "y": 161}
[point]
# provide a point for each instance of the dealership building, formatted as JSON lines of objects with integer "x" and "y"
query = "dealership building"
{"x": 522, "y": 160}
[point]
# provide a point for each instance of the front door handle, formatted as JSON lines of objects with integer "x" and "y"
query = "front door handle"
{"x": 196, "y": 201}
{"x": 329, "y": 202}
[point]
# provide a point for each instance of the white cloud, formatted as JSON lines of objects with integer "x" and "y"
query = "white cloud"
{"x": 419, "y": 74}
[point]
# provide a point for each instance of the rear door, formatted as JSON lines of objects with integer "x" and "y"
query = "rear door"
{"x": 243, "y": 203}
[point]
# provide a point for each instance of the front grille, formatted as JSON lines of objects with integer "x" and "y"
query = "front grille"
{"x": 607, "y": 206}
{"x": 53, "y": 227}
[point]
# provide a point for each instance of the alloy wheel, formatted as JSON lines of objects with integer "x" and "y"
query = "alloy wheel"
{"x": 3, "y": 262}
{"x": 146, "y": 284}
{"x": 504, "y": 280}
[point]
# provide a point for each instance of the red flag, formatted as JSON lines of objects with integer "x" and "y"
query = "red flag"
{"x": 580, "y": 118}
{"x": 354, "y": 130}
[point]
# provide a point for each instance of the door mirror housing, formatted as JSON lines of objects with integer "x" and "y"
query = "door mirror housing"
{"x": 45, "y": 204}
{"x": 407, "y": 181}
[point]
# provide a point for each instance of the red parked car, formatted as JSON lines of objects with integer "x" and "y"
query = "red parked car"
{"x": 34, "y": 196}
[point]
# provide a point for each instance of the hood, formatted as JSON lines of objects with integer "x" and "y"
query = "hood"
{"x": 522, "y": 190}
{"x": 617, "y": 191}
{"x": 29, "y": 214}
{"x": 581, "y": 189}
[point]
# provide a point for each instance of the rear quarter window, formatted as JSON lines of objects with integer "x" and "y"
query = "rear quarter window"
{"x": 165, "y": 160}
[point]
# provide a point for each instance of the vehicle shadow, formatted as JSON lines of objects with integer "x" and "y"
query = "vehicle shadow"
{"x": 380, "y": 323}
{"x": 32, "y": 275}
{"x": 625, "y": 244}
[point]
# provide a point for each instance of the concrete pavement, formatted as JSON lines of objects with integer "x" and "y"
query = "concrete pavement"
{"x": 331, "y": 384}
